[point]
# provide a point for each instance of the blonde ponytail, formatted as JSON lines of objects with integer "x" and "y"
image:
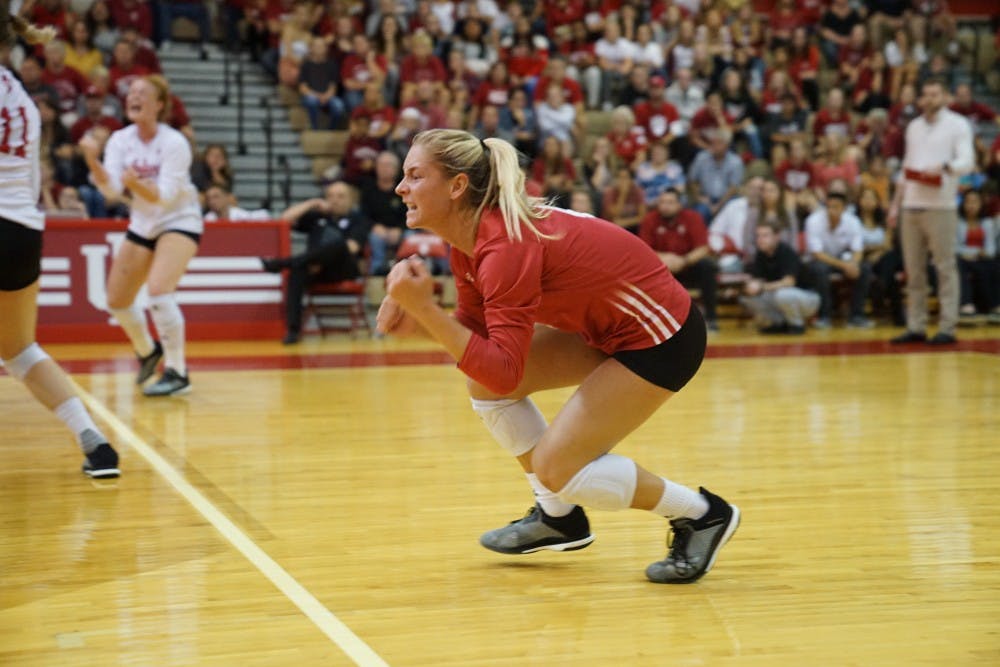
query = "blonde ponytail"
{"x": 495, "y": 177}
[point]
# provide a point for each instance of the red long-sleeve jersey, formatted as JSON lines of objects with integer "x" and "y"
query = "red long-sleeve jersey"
{"x": 593, "y": 278}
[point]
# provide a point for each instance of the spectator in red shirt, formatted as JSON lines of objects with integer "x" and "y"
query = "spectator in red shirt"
{"x": 360, "y": 68}
{"x": 795, "y": 174}
{"x": 433, "y": 114}
{"x": 51, "y": 13}
{"x": 975, "y": 111}
{"x": 782, "y": 22}
{"x": 381, "y": 116}
{"x": 124, "y": 70}
{"x": 628, "y": 140}
{"x": 803, "y": 65}
{"x": 623, "y": 202}
{"x": 420, "y": 65}
{"x": 905, "y": 109}
{"x": 133, "y": 13}
{"x": 554, "y": 171}
{"x": 145, "y": 52}
{"x": 94, "y": 115}
{"x": 708, "y": 120}
{"x": 493, "y": 91}
{"x": 360, "y": 152}
{"x": 679, "y": 237}
{"x": 66, "y": 81}
{"x": 657, "y": 115}
{"x": 833, "y": 118}
{"x": 852, "y": 56}
{"x": 873, "y": 89}
{"x": 193, "y": 10}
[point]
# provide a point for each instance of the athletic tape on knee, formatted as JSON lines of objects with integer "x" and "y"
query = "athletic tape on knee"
{"x": 607, "y": 483}
{"x": 516, "y": 425}
{"x": 25, "y": 360}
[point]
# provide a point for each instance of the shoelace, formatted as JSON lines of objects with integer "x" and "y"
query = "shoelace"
{"x": 678, "y": 539}
{"x": 527, "y": 515}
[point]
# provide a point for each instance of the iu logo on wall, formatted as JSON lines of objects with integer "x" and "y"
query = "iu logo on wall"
{"x": 225, "y": 294}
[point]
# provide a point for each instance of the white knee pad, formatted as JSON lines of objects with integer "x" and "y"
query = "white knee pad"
{"x": 516, "y": 425}
{"x": 166, "y": 313}
{"x": 606, "y": 483}
{"x": 25, "y": 359}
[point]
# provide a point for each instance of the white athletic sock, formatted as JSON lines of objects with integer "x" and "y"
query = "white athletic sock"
{"x": 547, "y": 499}
{"x": 76, "y": 417}
{"x": 169, "y": 321}
{"x": 133, "y": 321}
{"x": 680, "y": 502}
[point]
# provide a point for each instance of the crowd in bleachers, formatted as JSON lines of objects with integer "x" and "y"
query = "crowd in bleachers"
{"x": 746, "y": 112}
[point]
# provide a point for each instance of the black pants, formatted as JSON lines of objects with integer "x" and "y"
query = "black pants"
{"x": 821, "y": 274}
{"x": 885, "y": 287}
{"x": 702, "y": 275}
{"x": 977, "y": 283}
{"x": 329, "y": 262}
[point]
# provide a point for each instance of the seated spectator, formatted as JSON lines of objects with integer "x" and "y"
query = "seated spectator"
{"x": 975, "y": 111}
{"x": 554, "y": 171}
{"x": 55, "y": 146}
{"x": 903, "y": 57}
{"x": 731, "y": 234}
{"x": 979, "y": 282}
{"x": 518, "y": 120}
{"x": 336, "y": 235}
{"x": 428, "y": 102}
{"x": 873, "y": 89}
{"x": 359, "y": 68}
{"x": 494, "y": 90}
{"x": 782, "y": 22}
{"x": 742, "y": 111}
{"x": 835, "y": 243}
{"x": 623, "y": 202}
{"x": 388, "y": 42}
{"x": 680, "y": 52}
{"x": 385, "y": 210}
{"x": 708, "y": 121}
{"x": 462, "y": 82}
{"x": 54, "y": 13}
{"x": 715, "y": 36}
{"x": 489, "y": 125}
{"x": 615, "y": 57}
{"x": 103, "y": 32}
{"x": 803, "y": 66}
{"x": 143, "y": 49}
{"x": 360, "y": 152}
{"x": 906, "y": 108}
{"x": 124, "y": 69}
{"x": 658, "y": 116}
{"x": 789, "y": 124}
{"x": 795, "y": 174}
{"x": 221, "y": 204}
{"x": 318, "y": 82}
{"x": 852, "y": 57}
{"x": 69, "y": 205}
{"x": 67, "y": 82}
{"x": 111, "y": 105}
{"x": 836, "y": 162}
{"x": 835, "y": 28}
{"x": 715, "y": 176}
{"x": 628, "y": 140}
{"x": 876, "y": 137}
{"x": 774, "y": 295}
{"x": 471, "y": 41}
{"x": 686, "y": 97}
{"x": 212, "y": 167}
{"x": 876, "y": 178}
{"x": 774, "y": 210}
{"x": 93, "y": 115}
{"x": 659, "y": 173}
{"x": 420, "y": 65}
{"x": 81, "y": 54}
{"x": 599, "y": 166}
{"x": 381, "y": 116}
{"x": 636, "y": 88}
{"x": 556, "y": 118}
{"x": 136, "y": 13}
{"x": 647, "y": 51}
{"x": 882, "y": 253}
{"x": 680, "y": 238}
{"x": 833, "y": 118}
{"x": 193, "y": 10}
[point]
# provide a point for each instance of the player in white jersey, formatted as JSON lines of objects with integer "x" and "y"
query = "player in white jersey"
{"x": 21, "y": 225}
{"x": 152, "y": 161}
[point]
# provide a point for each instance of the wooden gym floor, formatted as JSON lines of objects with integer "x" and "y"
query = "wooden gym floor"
{"x": 321, "y": 505}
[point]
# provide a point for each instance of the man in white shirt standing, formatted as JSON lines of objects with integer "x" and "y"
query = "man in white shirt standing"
{"x": 938, "y": 151}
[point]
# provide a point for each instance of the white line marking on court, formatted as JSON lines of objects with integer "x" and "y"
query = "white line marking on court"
{"x": 332, "y": 627}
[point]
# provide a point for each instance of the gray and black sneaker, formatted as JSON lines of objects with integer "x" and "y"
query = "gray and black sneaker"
{"x": 537, "y": 530}
{"x": 148, "y": 364}
{"x": 695, "y": 543}
{"x": 171, "y": 383}
{"x": 102, "y": 463}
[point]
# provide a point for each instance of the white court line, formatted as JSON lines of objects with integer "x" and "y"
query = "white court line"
{"x": 330, "y": 625}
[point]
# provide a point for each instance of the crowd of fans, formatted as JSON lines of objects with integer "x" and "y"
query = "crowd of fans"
{"x": 733, "y": 114}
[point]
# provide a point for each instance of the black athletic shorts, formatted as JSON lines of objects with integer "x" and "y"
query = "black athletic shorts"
{"x": 672, "y": 363}
{"x": 151, "y": 243}
{"x": 20, "y": 255}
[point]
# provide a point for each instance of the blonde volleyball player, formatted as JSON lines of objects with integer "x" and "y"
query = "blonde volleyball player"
{"x": 615, "y": 324}
{"x": 152, "y": 161}
{"x": 21, "y": 225}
